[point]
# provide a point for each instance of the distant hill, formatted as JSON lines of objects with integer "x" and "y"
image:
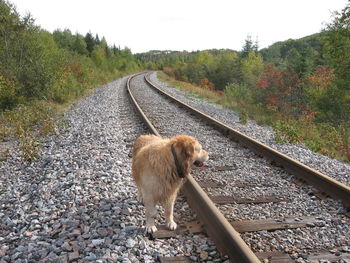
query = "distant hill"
{"x": 310, "y": 46}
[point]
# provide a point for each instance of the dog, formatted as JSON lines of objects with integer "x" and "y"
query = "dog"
{"x": 159, "y": 168}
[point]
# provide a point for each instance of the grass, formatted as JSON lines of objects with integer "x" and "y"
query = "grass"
{"x": 28, "y": 124}
{"x": 319, "y": 137}
{"x": 192, "y": 90}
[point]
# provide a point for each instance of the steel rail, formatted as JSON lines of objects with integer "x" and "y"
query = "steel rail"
{"x": 313, "y": 177}
{"x": 226, "y": 238}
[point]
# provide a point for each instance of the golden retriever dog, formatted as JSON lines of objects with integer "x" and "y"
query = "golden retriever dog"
{"x": 159, "y": 167}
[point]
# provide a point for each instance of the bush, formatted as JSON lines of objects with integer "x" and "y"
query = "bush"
{"x": 288, "y": 129}
{"x": 8, "y": 96}
{"x": 239, "y": 92}
{"x": 29, "y": 122}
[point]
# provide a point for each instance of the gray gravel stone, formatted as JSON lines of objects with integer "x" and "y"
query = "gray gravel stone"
{"x": 331, "y": 167}
{"x": 78, "y": 201}
{"x": 251, "y": 176}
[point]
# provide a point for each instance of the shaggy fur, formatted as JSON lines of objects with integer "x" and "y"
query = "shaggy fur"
{"x": 155, "y": 173}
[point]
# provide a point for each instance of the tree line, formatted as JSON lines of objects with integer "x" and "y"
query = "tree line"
{"x": 36, "y": 64}
{"x": 295, "y": 80}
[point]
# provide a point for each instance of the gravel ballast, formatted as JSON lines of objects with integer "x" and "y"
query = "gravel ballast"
{"x": 257, "y": 175}
{"x": 264, "y": 134}
{"x": 77, "y": 203}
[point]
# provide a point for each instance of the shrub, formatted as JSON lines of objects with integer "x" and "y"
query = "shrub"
{"x": 289, "y": 129}
{"x": 239, "y": 92}
{"x": 8, "y": 96}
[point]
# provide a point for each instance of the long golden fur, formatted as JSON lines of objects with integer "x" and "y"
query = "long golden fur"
{"x": 156, "y": 175}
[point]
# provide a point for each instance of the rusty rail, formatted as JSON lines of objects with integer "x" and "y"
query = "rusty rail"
{"x": 313, "y": 177}
{"x": 226, "y": 238}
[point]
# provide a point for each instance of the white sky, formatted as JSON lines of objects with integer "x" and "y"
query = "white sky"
{"x": 144, "y": 25}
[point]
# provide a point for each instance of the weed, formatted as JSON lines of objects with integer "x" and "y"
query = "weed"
{"x": 27, "y": 123}
{"x": 279, "y": 138}
{"x": 4, "y": 155}
{"x": 243, "y": 117}
{"x": 289, "y": 130}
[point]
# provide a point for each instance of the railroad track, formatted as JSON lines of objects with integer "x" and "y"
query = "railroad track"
{"x": 252, "y": 208}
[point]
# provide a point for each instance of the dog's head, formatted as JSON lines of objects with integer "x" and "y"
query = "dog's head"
{"x": 189, "y": 152}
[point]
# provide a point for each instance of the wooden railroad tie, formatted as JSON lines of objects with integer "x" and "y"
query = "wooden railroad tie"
{"x": 174, "y": 260}
{"x": 234, "y": 200}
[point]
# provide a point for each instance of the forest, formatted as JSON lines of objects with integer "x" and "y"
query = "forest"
{"x": 300, "y": 87}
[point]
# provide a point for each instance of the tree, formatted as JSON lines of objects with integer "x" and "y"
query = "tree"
{"x": 115, "y": 50}
{"x": 64, "y": 39}
{"x": 200, "y": 65}
{"x": 90, "y": 42}
{"x": 25, "y": 59}
{"x": 97, "y": 40}
{"x": 333, "y": 105}
{"x": 249, "y": 47}
{"x": 252, "y": 66}
{"x": 79, "y": 45}
{"x": 98, "y": 55}
{"x": 226, "y": 70}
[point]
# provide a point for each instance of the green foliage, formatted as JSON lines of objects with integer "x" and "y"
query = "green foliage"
{"x": 249, "y": 47}
{"x": 299, "y": 86}
{"x": 239, "y": 92}
{"x": 243, "y": 117}
{"x": 8, "y": 96}
{"x": 39, "y": 69}
{"x": 20, "y": 53}
{"x": 289, "y": 130}
{"x": 80, "y": 45}
{"x": 90, "y": 42}
{"x": 64, "y": 39}
{"x": 27, "y": 123}
{"x": 35, "y": 64}
{"x": 333, "y": 104}
{"x": 226, "y": 70}
{"x": 98, "y": 55}
{"x": 252, "y": 66}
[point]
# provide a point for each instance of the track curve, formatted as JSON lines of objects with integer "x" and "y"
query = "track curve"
{"x": 194, "y": 128}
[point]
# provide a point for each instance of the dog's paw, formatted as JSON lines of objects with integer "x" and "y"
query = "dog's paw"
{"x": 151, "y": 229}
{"x": 171, "y": 225}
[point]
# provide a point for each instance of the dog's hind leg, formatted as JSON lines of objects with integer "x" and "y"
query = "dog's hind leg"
{"x": 151, "y": 212}
{"x": 139, "y": 195}
{"x": 169, "y": 213}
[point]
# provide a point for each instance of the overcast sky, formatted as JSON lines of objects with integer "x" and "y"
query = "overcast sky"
{"x": 184, "y": 24}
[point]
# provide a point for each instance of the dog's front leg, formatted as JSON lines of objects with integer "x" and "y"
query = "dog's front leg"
{"x": 169, "y": 213}
{"x": 151, "y": 212}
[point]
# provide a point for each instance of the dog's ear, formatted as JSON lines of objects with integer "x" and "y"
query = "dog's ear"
{"x": 188, "y": 149}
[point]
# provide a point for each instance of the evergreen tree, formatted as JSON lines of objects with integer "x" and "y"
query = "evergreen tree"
{"x": 97, "y": 40}
{"x": 248, "y": 47}
{"x": 115, "y": 50}
{"x": 80, "y": 45}
{"x": 90, "y": 42}
{"x": 256, "y": 45}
